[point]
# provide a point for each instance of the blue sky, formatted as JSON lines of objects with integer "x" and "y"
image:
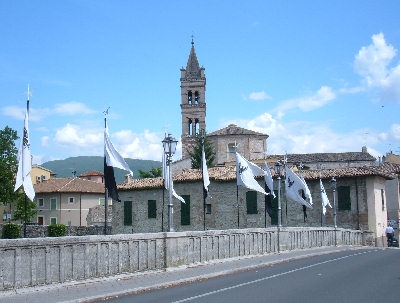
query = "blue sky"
{"x": 316, "y": 76}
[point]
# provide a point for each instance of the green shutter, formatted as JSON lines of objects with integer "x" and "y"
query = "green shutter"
{"x": 251, "y": 202}
{"x": 274, "y": 217}
{"x": 185, "y": 211}
{"x": 344, "y": 202}
{"x": 151, "y": 209}
{"x": 128, "y": 213}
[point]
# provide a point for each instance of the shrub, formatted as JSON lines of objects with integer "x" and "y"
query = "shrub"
{"x": 11, "y": 231}
{"x": 57, "y": 230}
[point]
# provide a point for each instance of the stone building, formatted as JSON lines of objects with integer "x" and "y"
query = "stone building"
{"x": 360, "y": 202}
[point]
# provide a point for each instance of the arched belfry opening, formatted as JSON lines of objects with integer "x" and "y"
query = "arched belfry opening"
{"x": 193, "y": 105}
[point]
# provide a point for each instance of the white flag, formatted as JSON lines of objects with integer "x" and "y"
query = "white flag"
{"x": 324, "y": 198}
{"x": 245, "y": 173}
{"x": 25, "y": 161}
{"x": 113, "y": 158}
{"x": 307, "y": 192}
{"x": 165, "y": 172}
{"x": 296, "y": 188}
{"x": 268, "y": 179}
{"x": 206, "y": 179}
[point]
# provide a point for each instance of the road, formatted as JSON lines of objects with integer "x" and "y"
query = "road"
{"x": 360, "y": 275}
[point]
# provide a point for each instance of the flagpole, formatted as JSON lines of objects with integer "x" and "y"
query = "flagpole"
{"x": 237, "y": 201}
{"x": 25, "y": 201}
{"x": 105, "y": 187}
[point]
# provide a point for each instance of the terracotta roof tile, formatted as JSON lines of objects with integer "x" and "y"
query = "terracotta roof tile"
{"x": 92, "y": 173}
{"x": 228, "y": 173}
{"x": 69, "y": 185}
{"x": 233, "y": 129}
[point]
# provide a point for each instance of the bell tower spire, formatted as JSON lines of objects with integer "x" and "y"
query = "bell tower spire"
{"x": 193, "y": 102}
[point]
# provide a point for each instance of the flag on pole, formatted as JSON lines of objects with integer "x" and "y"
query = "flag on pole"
{"x": 296, "y": 188}
{"x": 206, "y": 178}
{"x": 245, "y": 173}
{"x": 25, "y": 160}
{"x": 165, "y": 172}
{"x": 112, "y": 159}
{"x": 324, "y": 198}
{"x": 268, "y": 179}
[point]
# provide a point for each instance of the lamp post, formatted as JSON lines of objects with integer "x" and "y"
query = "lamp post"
{"x": 278, "y": 166}
{"x": 169, "y": 144}
{"x": 333, "y": 186}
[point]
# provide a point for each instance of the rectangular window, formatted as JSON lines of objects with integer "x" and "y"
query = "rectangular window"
{"x": 383, "y": 199}
{"x": 53, "y": 220}
{"x": 71, "y": 200}
{"x": 69, "y": 223}
{"x": 344, "y": 202}
{"x": 251, "y": 202}
{"x": 232, "y": 147}
{"x": 208, "y": 209}
{"x": 185, "y": 210}
{"x": 151, "y": 209}
{"x": 40, "y": 202}
{"x": 40, "y": 220}
{"x": 102, "y": 201}
{"x": 53, "y": 203}
{"x": 128, "y": 213}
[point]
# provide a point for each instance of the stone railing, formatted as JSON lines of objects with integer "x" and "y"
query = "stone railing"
{"x": 40, "y": 261}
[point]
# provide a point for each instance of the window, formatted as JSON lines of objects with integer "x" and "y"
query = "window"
{"x": 69, "y": 223}
{"x": 53, "y": 204}
{"x": 251, "y": 202}
{"x": 102, "y": 201}
{"x": 189, "y": 97}
{"x": 383, "y": 199}
{"x": 185, "y": 210}
{"x": 151, "y": 209}
{"x": 273, "y": 208}
{"x": 128, "y": 213}
{"x": 71, "y": 200}
{"x": 40, "y": 220}
{"x": 196, "y": 97}
{"x": 232, "y": 147}
{"x": 208, "y": 208}
{"x": 40, "y": 202}
{"x": 53, "y": 220}
{"x": 344, "y": 202}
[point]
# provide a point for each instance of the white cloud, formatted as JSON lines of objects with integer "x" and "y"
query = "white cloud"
{"x": 259, "y": 96}
{"x": 72, "y": 108}
{"x": 372, "y": 62}
{"x": 316, "y": 100}
{"x": 75, "y": 136}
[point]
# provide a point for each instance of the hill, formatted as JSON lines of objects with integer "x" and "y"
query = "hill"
{"x": 83, "y": 164}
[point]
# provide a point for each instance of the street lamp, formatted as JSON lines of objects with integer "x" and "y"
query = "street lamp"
{"x": 278, "y": 166}
{"x": 333, "y": 186}
{"x": 169, "y": 144}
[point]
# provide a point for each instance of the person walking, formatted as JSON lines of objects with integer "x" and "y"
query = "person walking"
{"x": 389, "y": 234}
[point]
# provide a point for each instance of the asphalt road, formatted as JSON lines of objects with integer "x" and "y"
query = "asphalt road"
{"x": 360, "y": 275}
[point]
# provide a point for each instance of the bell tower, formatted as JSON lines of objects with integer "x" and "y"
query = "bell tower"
{"x": 193, "y": 102}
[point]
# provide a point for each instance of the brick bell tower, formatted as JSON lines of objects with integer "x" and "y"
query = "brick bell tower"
{"x": 193, "y": 102}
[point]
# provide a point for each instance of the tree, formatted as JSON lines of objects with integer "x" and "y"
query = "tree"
{"x": 196, "y": 154}
{"x": 20, "y": 211}
{"x": 153, "y": 173}
{"x": 8, "y": 165}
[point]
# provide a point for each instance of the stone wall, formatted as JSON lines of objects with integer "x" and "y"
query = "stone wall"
{"x": 41, "y": 261}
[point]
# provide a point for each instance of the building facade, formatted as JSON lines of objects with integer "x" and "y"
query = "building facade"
{"x": 67, "y": 200}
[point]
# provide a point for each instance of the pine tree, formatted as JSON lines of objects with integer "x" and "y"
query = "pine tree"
{"x": 195, "y": 155}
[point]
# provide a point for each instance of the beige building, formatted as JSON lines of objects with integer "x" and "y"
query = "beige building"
{"x": 67, "y": 200}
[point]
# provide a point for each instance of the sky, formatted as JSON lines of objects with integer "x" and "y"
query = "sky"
{"x": 315, "y": 76}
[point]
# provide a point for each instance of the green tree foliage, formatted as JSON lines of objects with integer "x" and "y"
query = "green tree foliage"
{"x": 11, "y": 231}
{"x": 8, "y": 165}
{"x": 153, "y": 173}
{"x": 21, "y": 209}
{"x": 195, "y": 155}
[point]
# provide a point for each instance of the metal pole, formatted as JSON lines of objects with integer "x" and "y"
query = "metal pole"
{"x": 279, "y": 203}
{"x": 170, "y": 205}
{"x": 334, "y": 207}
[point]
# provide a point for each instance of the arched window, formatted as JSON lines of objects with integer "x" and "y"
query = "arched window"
{"x": 190, "y": 127}
{"x": 196, "y": 97}
{"x": 196, "y": 126}
{"x": 189, "y": 97}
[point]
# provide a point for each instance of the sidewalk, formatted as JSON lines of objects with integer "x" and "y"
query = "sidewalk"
{"x": 96, "y": 289}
